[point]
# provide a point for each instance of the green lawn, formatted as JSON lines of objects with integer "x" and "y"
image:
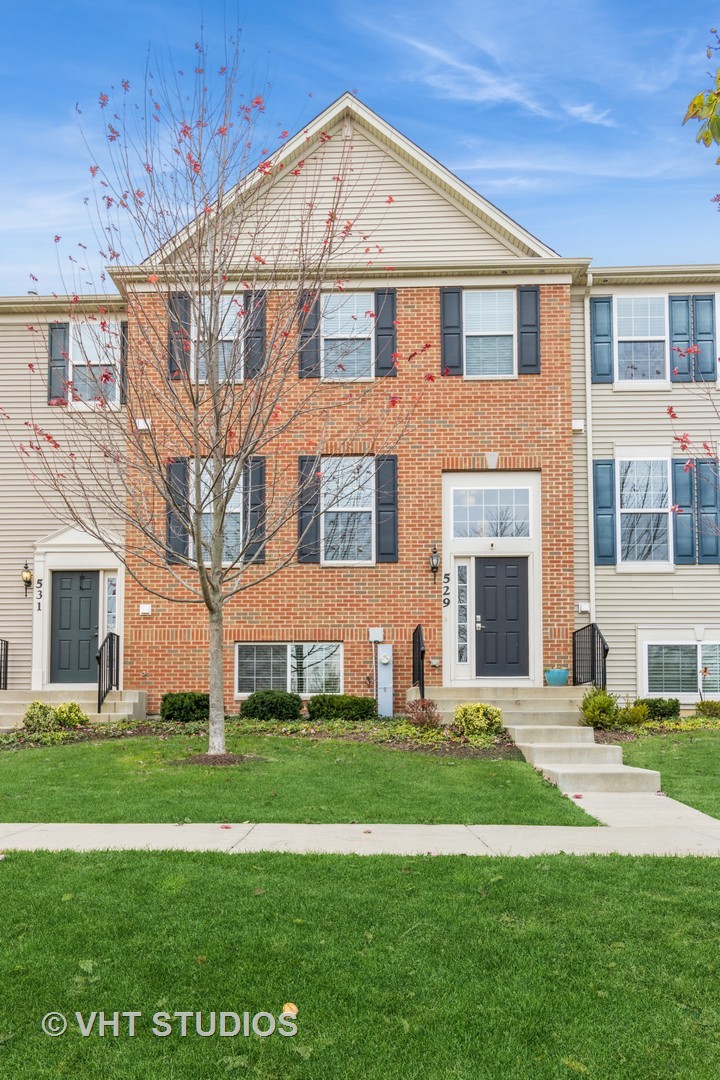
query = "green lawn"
{"x": 689, "y": 763}
{"x": 302, "y": 780}
{"x": 604, "y": 967}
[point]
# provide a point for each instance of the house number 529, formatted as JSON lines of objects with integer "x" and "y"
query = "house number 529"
{"x": 446, "y": 590}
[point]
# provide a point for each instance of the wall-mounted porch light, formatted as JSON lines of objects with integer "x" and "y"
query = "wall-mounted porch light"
{"x": 26, "y": 576}
{"x": 434, "y": 561}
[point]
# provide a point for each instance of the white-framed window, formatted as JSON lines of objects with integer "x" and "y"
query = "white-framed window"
{"x": 489, "y": 333}
{"x": 348, "y": 335}
{"x": 489, "y": 512}
{"x": 232, "y": 533}
{"x": 641, "y": 350}
{"x": 222, "y": 322}
{"x": 645, "y": 533}
{"x": 462, "y": 586}
{"x": 303, "y": 667}
{"x": 111, "y": 612}
{"x": 94, "y": 362}
{"x": 347, "y": 503}
{"x": 678, "y": 669}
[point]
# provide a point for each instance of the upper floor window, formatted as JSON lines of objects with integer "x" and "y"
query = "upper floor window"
{"x": 224, "y": 335}
{"x": 220, "y": 338}
{"x": 644, "y": 518}
{"x": 641, "y": 337}
{"x": 489, "y": 325}
{"x": 217, "y": 490}
{"x": 347, "y": 499}
{"x": 347, "y": 335}
{"x": 86, "y": 362}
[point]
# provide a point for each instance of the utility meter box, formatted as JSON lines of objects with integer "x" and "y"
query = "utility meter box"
{"x": 385, "y": 679}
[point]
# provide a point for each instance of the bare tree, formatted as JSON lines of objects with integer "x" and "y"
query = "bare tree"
{"x": 179, "y": 424}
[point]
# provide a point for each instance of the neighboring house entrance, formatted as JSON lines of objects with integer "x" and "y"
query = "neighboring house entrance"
{"x": 501, "y": 617}
{"x": 74, "y": 626}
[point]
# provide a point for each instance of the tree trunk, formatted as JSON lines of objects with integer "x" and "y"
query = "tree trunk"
{"x": 216, "y": 743}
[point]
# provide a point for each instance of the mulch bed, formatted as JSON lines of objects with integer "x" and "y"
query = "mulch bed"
{"x": 218, "y": 759}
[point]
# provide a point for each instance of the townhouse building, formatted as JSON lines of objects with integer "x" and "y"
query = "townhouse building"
{"x": 532, "y": 497}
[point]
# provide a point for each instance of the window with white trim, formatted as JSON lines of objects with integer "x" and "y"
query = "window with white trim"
{"x": 482, "y": 512}
{"x": 348, "y": 333}
{"x": 347, "y": 500}
{"x": 684, "y": 668}
{"x": 489, "y": 332}
{"x": 299, "y": 667}
{"x": 462, "y": 586}
{"x": 644, "y": 511}
{"x": 641, "y": 332}
{"x": 220, "y": 335}
{"x": 232, "y": 531}
{"x": 94, "y": 361}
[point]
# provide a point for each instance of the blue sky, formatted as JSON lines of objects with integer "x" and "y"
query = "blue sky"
{"x": 566, "y": 115}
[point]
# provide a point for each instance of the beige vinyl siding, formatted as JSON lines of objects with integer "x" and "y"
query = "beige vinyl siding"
{"x": 580, "y": 493}
{"x": 685, "y": 596}
{"x": 25, "y": 517}
{"x": 419, "y": 225}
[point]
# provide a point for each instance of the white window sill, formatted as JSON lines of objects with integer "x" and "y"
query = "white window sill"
{"x": 635, "y": 385}
{"x": 645, "y": 568}
{"x": 490, "y": 378}
{"x": 347, "y": 378}
{"x": 339, "y": 562}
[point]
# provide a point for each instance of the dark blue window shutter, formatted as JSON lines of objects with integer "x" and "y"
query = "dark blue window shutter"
{"x": 601, "y": 334}
{"x": 178, "y": 335}
{"x": 681, "y": 367}
{"x": 708, "y": 510}
{"x": 528, "y": 309}
{"x": 604, "y": 492}
{"x": 254, "y": 509}
{"x": 122, "y": 373}
{"x": 309, "y": 509}
{"x": 704, "y": 335}
{"x": 683, "y": 485}
{"x": 386, "y": 509}
{"x": 452, "y": 331}
{"x": 58, "y": 345}
{"x": 309, "y": 326}
{"x": 254, "y": 334}
{"x": 385, "y": 331}
{"x": 176, "y": 527}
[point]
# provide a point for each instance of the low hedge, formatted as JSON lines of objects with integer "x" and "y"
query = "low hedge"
{"x": 272, "y": 705}
{"x": 352, "y": 707}
{"x": 189, "y": 707}
{"x": 661, "y": 708}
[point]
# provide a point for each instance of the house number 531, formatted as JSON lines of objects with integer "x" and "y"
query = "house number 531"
{"x": 446, "y": 590}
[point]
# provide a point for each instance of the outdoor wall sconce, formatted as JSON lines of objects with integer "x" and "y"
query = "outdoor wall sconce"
{"x": 491, "y": 459}
{"x": 434, "y": 561}
{"x": 26, "y": 577}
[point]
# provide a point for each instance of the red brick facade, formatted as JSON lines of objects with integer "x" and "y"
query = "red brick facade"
{"x": 528, "y": 420}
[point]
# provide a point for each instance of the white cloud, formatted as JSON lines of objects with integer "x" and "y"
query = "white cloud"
{"x": 590, "y": 114}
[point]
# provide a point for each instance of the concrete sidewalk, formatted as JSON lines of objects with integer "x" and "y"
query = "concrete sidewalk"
{"x": 638, "y": 824}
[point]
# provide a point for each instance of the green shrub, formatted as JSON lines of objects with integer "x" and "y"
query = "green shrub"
{"x": 39, "y": 717}
{"x": 661, "y": 708}
{"x": 599, "y": 709}
{"x": 272, "y": 705}
{"x": 633, "y": 715}
{"x": 708, "y": 708}
{"x": 423, "y": 713}
{"x": 185, "y": 708}
{"x": 352, "y": 707}
{"x": 69, "y": 715}
{"x": 476, "y": 718}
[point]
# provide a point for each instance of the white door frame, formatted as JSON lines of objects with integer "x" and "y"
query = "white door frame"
{"x": 464, "y": 550}
{"x": 69, "y": 549}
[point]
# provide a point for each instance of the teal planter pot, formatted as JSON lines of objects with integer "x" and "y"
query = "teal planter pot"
{"x": 557, "y": 676}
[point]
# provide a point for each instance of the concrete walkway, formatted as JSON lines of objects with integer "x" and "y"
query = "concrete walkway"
{"x": 638, "y": 824}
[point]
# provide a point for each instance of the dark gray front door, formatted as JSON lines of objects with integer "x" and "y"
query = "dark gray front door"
{"x": 501, "y": 617}
{"x": 74, "y": 626}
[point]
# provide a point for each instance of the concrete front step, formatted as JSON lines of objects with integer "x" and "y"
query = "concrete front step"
{"x": 94, "y": 718}
{"x": 579, "y": 778}
{"x": 119, "y": 704}
{"x": 551, "y": 754}
{"x": 566, "y": 695}
{"x": 549, "y": 733}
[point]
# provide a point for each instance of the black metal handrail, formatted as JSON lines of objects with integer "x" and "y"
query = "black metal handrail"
{"x": 418, "y": 659}
{"x": 108, "y": 658}
{"x": 590, "y": 651}
{"x": 3, "y": 663}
